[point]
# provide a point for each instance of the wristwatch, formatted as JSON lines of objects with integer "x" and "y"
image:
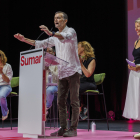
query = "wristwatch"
{"x": 53, "y": 33}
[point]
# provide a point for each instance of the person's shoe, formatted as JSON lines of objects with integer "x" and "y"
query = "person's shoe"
{"x": 83, "y": 116}
{"x": 137, "y": 136}
{"x": 70, "y": 133}
{"x": 60, "y": 132}
{"x": 85, "y": 110}
{"x": 5, "y": 117}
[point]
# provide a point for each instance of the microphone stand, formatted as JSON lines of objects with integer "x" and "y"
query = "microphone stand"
{"x": 39, "y": 37}
{"x": 47, "y": 43}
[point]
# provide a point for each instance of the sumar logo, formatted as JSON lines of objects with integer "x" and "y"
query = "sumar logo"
{"x": 30, "y": 60}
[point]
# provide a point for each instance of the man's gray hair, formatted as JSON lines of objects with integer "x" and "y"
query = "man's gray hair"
{"x": 65, "y": 16}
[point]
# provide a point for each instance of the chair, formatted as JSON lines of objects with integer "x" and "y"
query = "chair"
{"x": 14, "y": 83}
{"x": 99, "y": 78}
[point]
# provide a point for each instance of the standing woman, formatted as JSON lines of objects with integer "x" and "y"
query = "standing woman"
{"x": 132, "y": 103}
{"x": 88, "y": 64}
{"x": 6, "y": 74}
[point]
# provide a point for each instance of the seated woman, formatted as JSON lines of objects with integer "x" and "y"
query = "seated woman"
{"x": 6, "y": 74}
{"x": 88, "y": 64}
{"x": 52, "y": 80}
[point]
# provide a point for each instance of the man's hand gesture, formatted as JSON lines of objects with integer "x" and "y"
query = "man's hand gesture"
{"x": 45, "y": 29}
{"x": 19, "y": 37}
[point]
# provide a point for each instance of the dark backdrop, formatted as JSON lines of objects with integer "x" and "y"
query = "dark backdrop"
{"x": 102, "y": 23}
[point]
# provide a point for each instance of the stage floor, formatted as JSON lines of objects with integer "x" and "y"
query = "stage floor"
{"x": 118, "y": 130}
{"x": 8, "y": 134}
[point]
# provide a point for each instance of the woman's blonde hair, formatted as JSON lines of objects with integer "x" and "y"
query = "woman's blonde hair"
{"x": 88, "y": 49}
{"x": 3, "y": 57}
{"x": 137, "y": 21}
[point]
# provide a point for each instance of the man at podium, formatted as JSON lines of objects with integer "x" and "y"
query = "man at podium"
{"x": 65, "y": 42}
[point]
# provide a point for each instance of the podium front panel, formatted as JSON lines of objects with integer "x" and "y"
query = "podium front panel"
{"x": 30, "y": 92}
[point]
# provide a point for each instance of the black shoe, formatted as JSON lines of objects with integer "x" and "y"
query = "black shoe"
{"x": 60, "y": 132}
{"x": 83, "y": 116}
{"x": 70, "y": 133}
{"x": 85, "y": 110}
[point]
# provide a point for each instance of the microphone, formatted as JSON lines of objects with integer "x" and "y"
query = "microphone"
{"x": 40, "y": 36}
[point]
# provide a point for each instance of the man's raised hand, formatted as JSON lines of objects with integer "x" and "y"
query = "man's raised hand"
{"x": 45, "y": 29}
{"x": 19, "y": 37}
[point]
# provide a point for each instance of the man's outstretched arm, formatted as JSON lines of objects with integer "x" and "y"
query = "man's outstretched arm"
{"x": 23, "y": 39}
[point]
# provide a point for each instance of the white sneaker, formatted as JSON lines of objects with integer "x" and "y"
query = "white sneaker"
{"x": 137, "y": 136}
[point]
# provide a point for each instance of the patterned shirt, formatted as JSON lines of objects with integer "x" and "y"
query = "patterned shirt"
{"x": 66, "y": 49}
{"x": 7, "y": 70}
{"x": 54, "y": 73}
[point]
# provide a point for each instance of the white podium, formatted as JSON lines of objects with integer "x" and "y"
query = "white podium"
{"x": 32, "y": 91}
